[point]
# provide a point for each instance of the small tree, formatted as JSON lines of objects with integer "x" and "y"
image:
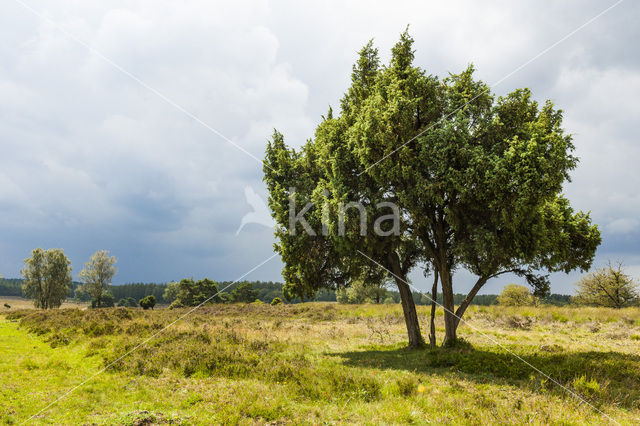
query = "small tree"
{"x": 129, "y": 302}
{"x": 244, "y": 293}
{"x": 106, "y": 301}
{"x": 359, "y": 292}
{"x": 171, "y": 292}
{"x": 608, "y": 286}
{"x": 477, "y": 181}
{"x": 191, "y": 293}
{"x": 97, "y": 275}
{"x": 47, "y": 278}
{"x": 516, "y": 295}
{"x": 206, "y": 290}
{"x": 81, "y": 294}
{"x": 276, "y": 301}
{"x": 148, "y": 302}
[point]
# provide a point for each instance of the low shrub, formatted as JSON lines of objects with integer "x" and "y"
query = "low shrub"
{"x": 148, "y": 302}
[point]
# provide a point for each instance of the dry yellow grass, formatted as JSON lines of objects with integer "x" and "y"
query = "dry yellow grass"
{"x": 17, "y": 303}
{"x": 320, "y": 363}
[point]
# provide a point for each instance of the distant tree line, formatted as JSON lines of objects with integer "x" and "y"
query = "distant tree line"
{"x": 266, "y": 292}
{"x": 11, "y": 287}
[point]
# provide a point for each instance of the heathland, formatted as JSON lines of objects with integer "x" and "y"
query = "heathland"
{"x": 317, "y": 363}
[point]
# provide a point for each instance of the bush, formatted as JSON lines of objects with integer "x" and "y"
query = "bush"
{"x": 123, "y": 303}
{"x": 276, "y": 301}
{"x": 107, "y": 301}
{"x": 176, "y": 304}
{"x": 148, "y": 302}
{"x": 516, "y": 295}
{"x": 244, "y": 293}
{"x": 359, "y": 292}
{"x": 225, "y": 297}
{"x": 610, "y": 287}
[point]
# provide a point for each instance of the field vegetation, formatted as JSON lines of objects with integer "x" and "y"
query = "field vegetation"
{"x": 318, "y": 363}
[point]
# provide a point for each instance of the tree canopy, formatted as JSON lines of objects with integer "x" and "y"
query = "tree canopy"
{"x": 47, "y": 278}
{"x": 472, "y": 180}
{"x": 609, "y": 286}
{"x": 516, "y": 295}
{"x": 188, "y": 292}
{"x": 97, "y": 275}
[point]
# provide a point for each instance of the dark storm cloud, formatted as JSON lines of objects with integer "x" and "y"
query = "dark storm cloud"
{"x": 90, "y": 159}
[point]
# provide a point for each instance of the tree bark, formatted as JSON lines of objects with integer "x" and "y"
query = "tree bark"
{"x": 434, "y": 298}
{"x": 467, "y": 300}
{"x": 408, "y": 305}
{"x": 410, "y": 315}
{"x": 450, "y": 320}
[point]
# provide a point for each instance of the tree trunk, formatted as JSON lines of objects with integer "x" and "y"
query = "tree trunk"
{"x": 434, "y": 298}
{"x": 410, "y": 314}
{"x": 408, "y": 305}
{"x": 450, "y": 320}
{"x": 467, "y": 300}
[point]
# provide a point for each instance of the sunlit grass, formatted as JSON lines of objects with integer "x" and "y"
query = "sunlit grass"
{"x": 317, "y": 363}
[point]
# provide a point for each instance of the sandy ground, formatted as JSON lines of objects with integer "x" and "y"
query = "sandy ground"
{"x": 21, "y": 303}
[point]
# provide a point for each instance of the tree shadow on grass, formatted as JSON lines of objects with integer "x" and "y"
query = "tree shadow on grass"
{"x": 617, "y": 374}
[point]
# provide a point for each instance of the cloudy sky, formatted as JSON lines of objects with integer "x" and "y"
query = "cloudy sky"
{"x": 135, "y": 126}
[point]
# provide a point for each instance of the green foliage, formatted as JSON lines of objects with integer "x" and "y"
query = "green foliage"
{"x": 137, "y": 291}
{"x": 225, "y": 297}
{"x": 359, "y": 292}
{"x": 170, "y": 293}
{"x": 407, "y": 385}
{"x": 276, "y": 301}
{"x": 97, "y": 275}
{"x": 129, "y": 302}
{"x": 478, "y": 179}
{"x": 8, "y": 306}
{"x": 106, "y": 301}
{"x": 557, "y": 299}
{"x": 10, "y": 287}
{"x": 516, "y": 295}
{"x": 176, "y": 304}
{"x": 609, "y": 286}
{"x": 244, "y": 293}
{"x": 47, "y": 278}
{"x": 188, "y": 292}
{"x": 81, "y": 294}
{"x": 148, "y": 302}
{"x": 586, "y": 387}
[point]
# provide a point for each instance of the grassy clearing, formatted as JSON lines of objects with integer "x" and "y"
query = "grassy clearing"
{"x": 318, "y": 363}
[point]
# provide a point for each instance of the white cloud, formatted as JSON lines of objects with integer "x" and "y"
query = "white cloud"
{"x": 623, "y": 226}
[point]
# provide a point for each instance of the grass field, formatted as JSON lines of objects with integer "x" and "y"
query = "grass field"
{"x": 318, "y": 363}
{"x": 17, "y": 303}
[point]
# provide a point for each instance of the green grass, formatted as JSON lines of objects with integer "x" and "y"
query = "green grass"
{"x": 317, "y": 363}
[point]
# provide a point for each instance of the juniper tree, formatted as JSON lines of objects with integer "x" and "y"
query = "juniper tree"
{"x": 477, "y": 181}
